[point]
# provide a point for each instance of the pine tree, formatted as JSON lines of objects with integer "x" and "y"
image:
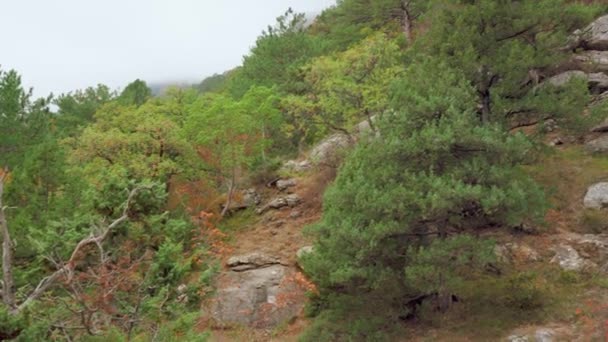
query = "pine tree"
{"x": 406, "y": 204}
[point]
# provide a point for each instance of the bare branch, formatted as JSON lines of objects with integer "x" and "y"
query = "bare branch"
{"x": 68, "y": 268}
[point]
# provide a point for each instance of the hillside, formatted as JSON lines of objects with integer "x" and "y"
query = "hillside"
{"x": 389, "y": 171}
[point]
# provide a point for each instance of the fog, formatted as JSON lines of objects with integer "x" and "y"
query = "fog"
{"x": 63, "y": 45}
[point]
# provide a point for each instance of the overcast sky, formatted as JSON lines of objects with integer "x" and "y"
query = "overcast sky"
{"x": 63, "y": 45}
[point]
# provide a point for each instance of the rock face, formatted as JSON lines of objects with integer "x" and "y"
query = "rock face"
{"x": 251, "y": 261}
{"x": 569, "y": 259}
{"x": 327, "y": 151}
{"x": 592, "y": 60}
{"x": 597, "y": 196}
{"x": 594, "y": 36}
{"x": 598, "y": 81}
{"x": 262, "y": 298}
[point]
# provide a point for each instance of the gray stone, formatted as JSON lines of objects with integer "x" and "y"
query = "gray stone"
{"x": 518, "y": 338}
{"x": 292, "y": 200}
{"x": 597, "y": 196}
{"x": 297, "y": 166}
{"x": 260, "y": 298}
{"x": 565, "y": 77}
{"x": 295, "y": 214}
{"x": 251, "y": 261}
{"x": 594, "y": 36}
{"x": 602, "y": 127}
{"x": 598, "y": 145}
{"x": 598, "y": 81}
{"x": 303, "y": 251}
{"x": 592, "y": 60}
{"x": 283, "y": 184}
{"x": 568, "y": 259}
{"x": 544, "y": 335}
{"x": 327, "y": 152}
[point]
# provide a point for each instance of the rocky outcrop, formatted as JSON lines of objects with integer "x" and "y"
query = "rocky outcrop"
{"x": 261, "y": 297}
{"x": 329, "y": 150}
{"x": 592, "y": 60}
{"x": 251, "y": 261}
{"x": 598, "y": 82}
{"x": 592, "y": 37}
{"x": 597, "y": 196}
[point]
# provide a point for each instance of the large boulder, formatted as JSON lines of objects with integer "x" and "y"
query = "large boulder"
{"x": 328, "y": 151}
{"x": 262, "y": 298}
{"x": 594, "y": 36}
{"x": 597, "y": 196}
{"x": 598, "y": 82}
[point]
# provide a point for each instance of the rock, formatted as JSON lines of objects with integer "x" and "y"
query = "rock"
{"x": 283, "y": 184}
{"x": 544, "y": 335}
{"x": 181, "y": 288}
{"x": 569, "y": 259}
{"x": 594, "y": 36}
{"x": 556, "y": 142}
{"x": 601, "y": 128}
{"x": 297, "y": 166}
{"x": 598, "y": 82}
{"x": 295, "y": 214}
{"x": 598, "y": 145}
{"x": 550, "y": 125}
{"x": 303, "y": 251}
{"x": 327, "y": 152}
{"x": 514, "y": 252}
{"x": 248, "y": 198}
{"x": 518, "y": 338}
{"x": 565, "y": 77}
{"x": 251, "y": 197}
{"x": 592, "y": 60}
{"x": 251, "y": 261}
{"x": 597, "y": 196}
{"x": 292, "y": 200}
{"x": 261, "y": 298}
{"x": 364, "y": 127}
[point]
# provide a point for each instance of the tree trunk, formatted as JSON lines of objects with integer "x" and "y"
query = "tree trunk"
{"x": 407, "y": 21}
{"x": 230, "y": 194}
{"x": 8, "y": 296}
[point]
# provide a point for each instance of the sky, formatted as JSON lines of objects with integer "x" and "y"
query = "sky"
{"x": 63, "y": 45}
